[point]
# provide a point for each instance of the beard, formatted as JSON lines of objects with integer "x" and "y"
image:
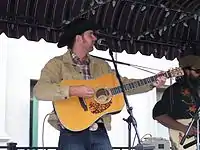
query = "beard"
{"x": 194, "y": 81}
{"x": 91, "y": 48}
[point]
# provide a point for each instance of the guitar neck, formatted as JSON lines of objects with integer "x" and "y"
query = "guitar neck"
{"x": 138, "y": 83}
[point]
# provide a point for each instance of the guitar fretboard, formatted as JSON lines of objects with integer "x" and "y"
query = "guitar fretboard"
{"x": 138, "y": 83}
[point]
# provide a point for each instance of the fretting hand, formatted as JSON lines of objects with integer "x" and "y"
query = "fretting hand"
{"x": 161, "y": 79}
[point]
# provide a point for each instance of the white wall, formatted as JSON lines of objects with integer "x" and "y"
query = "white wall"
{"x": 25, "y": 60}
{"x": 3, "y": 66}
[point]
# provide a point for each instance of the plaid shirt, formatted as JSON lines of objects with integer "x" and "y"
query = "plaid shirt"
{"x": 83, "y": 65}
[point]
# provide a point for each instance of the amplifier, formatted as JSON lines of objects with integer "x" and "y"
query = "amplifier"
{"x": 144, "y": 147}
{"x": 158, "y": 143}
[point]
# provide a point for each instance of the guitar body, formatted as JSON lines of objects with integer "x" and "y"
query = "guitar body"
{"x": 176, "y": 136}
{"x": 74, "y": 117}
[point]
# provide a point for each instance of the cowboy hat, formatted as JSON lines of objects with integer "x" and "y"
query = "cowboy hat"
{"x": 76, "y": 27}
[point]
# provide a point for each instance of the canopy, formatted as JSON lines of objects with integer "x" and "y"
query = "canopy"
{"x": 167, "y": 28}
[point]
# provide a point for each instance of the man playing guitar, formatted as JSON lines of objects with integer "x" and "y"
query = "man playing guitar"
{"x": 75, "y": 67}
{"x": 180, "y": 102}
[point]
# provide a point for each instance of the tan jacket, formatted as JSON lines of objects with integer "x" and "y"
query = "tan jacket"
{"x": 61, "y": 68}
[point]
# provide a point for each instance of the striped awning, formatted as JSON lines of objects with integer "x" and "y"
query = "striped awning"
{"x": 167, "y": 28}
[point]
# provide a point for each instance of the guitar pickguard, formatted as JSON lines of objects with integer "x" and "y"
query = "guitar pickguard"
{"x": 96, "y": 108}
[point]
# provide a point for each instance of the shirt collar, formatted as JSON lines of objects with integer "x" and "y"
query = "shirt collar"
{"x": 77, "y": 60}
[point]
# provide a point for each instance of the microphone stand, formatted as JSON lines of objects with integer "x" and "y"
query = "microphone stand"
{"x": 136, "y": 66}
{"x": 130, "y": 120}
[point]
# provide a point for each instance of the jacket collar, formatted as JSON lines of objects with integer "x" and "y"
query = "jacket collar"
{"x": 67, "y": 58}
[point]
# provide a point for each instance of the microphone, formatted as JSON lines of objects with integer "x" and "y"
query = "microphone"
{"x": 102, "y": 42}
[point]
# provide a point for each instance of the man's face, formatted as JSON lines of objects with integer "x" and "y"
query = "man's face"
{"x": 89, "y": 40}
{"x": 194, "y": 76}
{"x": 195, "y": 72}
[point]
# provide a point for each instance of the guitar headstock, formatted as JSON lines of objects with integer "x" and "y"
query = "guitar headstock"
{"x": 175, "y": 72}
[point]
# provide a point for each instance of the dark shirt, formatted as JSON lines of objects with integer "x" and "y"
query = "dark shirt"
{"x": 177, "y": 102}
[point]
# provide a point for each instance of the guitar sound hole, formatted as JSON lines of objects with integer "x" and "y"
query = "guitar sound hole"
{"x": 102, "y": 95}
{"x": 102, "y": 92}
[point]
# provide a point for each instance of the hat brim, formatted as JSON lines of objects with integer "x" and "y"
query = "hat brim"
{"x": 75, "y": 28}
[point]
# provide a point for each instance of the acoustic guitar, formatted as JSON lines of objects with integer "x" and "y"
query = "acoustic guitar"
{"x": 77, "y": 114}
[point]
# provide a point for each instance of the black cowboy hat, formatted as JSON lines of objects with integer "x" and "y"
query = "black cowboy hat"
{"x": 74, "y": 28}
